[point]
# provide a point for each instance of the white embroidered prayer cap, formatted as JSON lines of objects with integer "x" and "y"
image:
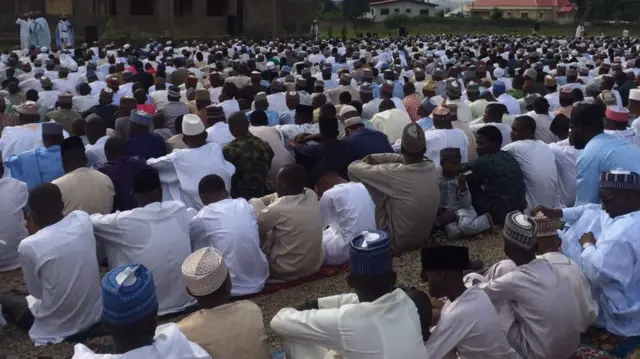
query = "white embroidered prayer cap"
{"x": 204, "y": 271}
{"x": 192, "y": 125}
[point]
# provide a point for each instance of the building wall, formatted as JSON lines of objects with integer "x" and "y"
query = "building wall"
{"x": 411, "y": 9}
{"x": 192, "y": 18}
{"x": 539, "y": 14}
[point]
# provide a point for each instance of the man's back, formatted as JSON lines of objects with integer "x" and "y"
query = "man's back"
{"x": 121, "y": 172}
{"x": 364, "y": 142}
{"x": 230, "y": 226}
{"x": 86, "y": 189}
{"x": 386, "y": 328}
{"x": 546, "y": 324}
{"x": 603, "y": 153}
{"x": 61, "y": 272}
{"x": 406, "y": 196}
{"x": 156, "y": 236}
{"x": 171, "y": 111}
{"x": 538, "y": 166}
{"x": 13, "y": 199}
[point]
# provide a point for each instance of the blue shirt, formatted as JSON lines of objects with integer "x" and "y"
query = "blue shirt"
{"x": 613, "y": 270}
{"x": 35, "y": 167}
{"x": 146, "y": 146}
{"x": 376, "y": 90}
{"x": 397, "y": 89}
{"x": 272, "y": 117}
{"x": 602, "y": 154}
{"x": 425, "y": 123}
{"x": 364, "y": 142}
{"x": 288, "y": 117}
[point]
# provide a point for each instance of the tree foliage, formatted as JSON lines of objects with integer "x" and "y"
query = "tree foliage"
{"x": 353, "y": 9}
{"x": 496, "y": 14}
{"x": 326, "y": 6}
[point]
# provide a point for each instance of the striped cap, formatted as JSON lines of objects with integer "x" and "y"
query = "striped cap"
{"x": 370, "y": 254}
{"x": 620, "y": 179}
{"x": 519, "y": 230}
{"x": 128, "y": 295}
{"x": 546, "y": 227}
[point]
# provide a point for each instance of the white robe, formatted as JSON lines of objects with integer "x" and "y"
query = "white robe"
{"x": 470, "y": 326}
{"x": 157, "y": 236}
{"x": 391, "y": 123}
{"x": 388, "y": 328}
{"x": 182, "y": 170}
{"x": 13, "y": 199}
{"x": 347, "y": 210}
{"x": 25, "y": 33}
{"x": 505, "y": 130}
{"x": 546, "y": 321}
{"x": 231, "y": 227}
{"x": 60, "y": 270}
{"x": 169, "y": 343}
{"x": 538, "y": 166}
{"x": 566, "y": 160}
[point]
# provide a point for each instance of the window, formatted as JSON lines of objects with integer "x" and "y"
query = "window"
{"x": 217, "y": 7}
{"x": 408, "y": 11}
{"x": 541, "y": 15}
{"x": 142, "y": 7}
{"x": 384, "y": 11}
{"x": 508, "y": 14}
{"x": 424, "y": 12}
{"x": 396, "y": 11}
{"x": 105, "y": 7}
{"x": 57, "y": 7}
{"x": 524, "y": 15}
{"x": 183, "y": 7}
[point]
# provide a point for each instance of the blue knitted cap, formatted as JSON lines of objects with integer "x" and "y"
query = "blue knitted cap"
{"x": 128, "y": 295}
{"x": 370, "y": 254}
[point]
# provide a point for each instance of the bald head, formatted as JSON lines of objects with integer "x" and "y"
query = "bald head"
{"x": 291, "y": 180}
{"x": 78, "y": 127}
{"x": 114, "y": 148}
{"x": 45, "y": 202}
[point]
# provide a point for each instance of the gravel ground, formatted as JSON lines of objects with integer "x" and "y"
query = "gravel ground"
{"x": 487, "y": 247}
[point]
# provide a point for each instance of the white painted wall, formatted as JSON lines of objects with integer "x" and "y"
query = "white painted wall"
{"x": 411, "y": 9}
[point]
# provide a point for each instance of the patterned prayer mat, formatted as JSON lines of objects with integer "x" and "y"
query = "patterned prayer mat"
{"x": 586, "y": 352}
{"x": 619, "y": 347}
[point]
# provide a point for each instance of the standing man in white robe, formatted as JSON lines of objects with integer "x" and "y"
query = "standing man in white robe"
{"x": 156, "y": 235}
{"x": 230, "y": 226}
{"x": 347, "y": 210}
{"x": 25, "y": 31}
{"x": 468, "y": 322}
{"x": 357, "y": 325}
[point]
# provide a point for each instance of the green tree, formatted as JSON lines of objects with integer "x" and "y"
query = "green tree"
{"x": 326, "y": 6}
{"x": 353, "y": 9}
{"x": 497, "y": 14}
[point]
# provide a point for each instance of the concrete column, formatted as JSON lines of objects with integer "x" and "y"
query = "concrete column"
{"x": 164, "y": 12}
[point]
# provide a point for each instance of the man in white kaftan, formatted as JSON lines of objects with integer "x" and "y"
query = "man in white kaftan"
{"x": 155, "y": 235}
{"x": 182, "y": 170}
{"x": 230, "y": 226}
{"x": 537, "y": 163}
{"x": 347, "y": 210}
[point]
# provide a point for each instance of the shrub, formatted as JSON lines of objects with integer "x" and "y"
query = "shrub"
{"x": 496, "y": 14}
{"x": 395, "y": 21}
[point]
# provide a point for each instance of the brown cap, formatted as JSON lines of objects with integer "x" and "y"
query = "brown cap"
{"x": 128, "y": 102}
{"x": 550, "y": 81}
{"x": 413, "y": 140}
{"x": 106, "y": 95}
{"x": 203, "y": 95}
{"x": 66, "y": 98}
{"x": 191, "y": 80}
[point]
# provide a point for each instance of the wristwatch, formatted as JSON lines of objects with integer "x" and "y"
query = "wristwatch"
{"x": 587, "y": 244}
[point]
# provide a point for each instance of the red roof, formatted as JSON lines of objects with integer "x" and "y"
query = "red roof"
{"x": 522, "y": 3}
{"x": 385, "y": 2}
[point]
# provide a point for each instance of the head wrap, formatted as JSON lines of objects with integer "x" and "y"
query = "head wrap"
{"x": 204, "y": 271}
{"x": 128, "y": 295}
{"x": 370, "y": 254}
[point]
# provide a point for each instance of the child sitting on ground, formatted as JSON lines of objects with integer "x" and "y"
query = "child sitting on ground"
{"x": 456, "y": 214}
